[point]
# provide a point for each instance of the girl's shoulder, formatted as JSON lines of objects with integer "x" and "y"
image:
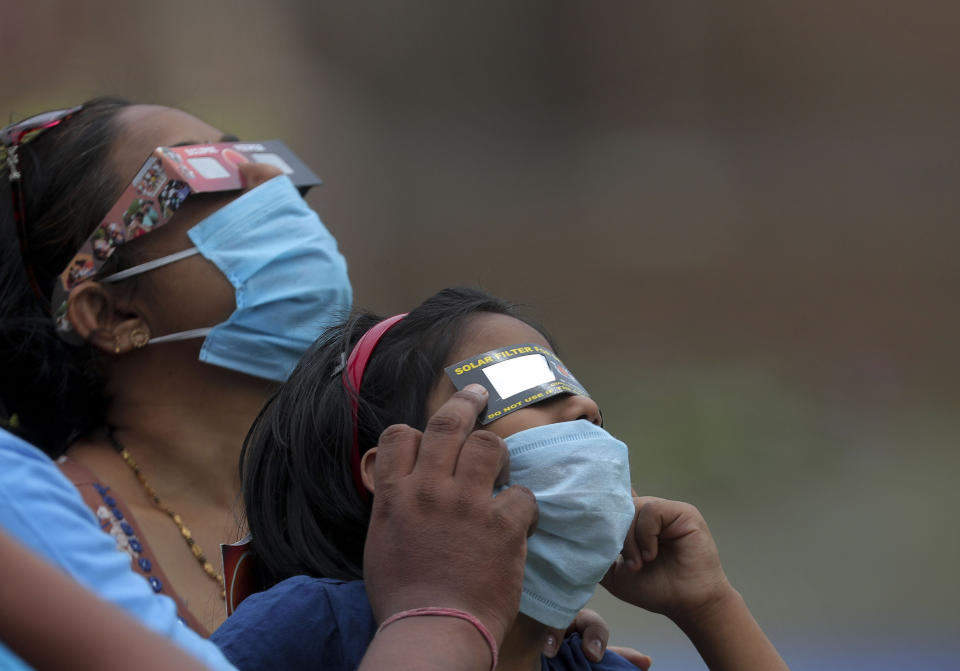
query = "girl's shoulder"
{"x": 299, "y": 623}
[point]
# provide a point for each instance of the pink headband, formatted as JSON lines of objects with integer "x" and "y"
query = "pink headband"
{"x": 352, "y": 376}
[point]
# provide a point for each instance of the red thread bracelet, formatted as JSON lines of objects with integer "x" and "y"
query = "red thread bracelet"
{"x": 448, "y": 612}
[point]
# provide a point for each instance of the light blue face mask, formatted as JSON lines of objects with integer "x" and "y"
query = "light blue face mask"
{"x": 580, "y": 475}
{"x": 290, "y": 280}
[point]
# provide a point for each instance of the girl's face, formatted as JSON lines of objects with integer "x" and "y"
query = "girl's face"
{"x": 487, "y": 331}
{"x": 483, "y": 332}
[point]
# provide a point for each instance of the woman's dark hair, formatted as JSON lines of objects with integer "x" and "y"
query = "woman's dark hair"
{"x": 52, "y": 392}
{"x": 304, "y": 512}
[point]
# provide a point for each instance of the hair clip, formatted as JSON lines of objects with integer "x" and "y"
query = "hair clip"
{"x": 13, "y": 422}
{"x": 13, "y": 163}
{"x": 343, "y": 364}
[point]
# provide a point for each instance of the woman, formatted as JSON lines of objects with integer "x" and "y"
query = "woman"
{"x": 149, "y": 432}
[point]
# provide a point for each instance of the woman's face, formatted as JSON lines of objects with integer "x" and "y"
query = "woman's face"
{"x": 143, "y": 128}
{"x": 191, "y": 293}
{"x": 487, "y": 331}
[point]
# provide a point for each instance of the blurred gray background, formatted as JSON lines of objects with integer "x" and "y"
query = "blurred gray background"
{"x": 738, "y": 221}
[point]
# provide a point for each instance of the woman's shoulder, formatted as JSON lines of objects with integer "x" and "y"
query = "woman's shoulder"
{"x": 570, "y": 657}
{"x": 300, "y": 623}
{"x": 41, "y": 508}
{"x": 117, "y": 522}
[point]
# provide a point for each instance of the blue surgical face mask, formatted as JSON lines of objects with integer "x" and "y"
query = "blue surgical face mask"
{"x": 290, "y": 281}
{"x": 580, "y": 476}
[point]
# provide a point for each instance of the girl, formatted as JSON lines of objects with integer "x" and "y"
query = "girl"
{"x": 309, "y": 465}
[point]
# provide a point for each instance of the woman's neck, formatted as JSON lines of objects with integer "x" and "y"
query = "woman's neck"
{"x": 184, "y": 422}
{"x": 522, "y": 645}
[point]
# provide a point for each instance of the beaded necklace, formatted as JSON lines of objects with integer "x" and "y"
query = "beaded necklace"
{"x": 213, "y": 574}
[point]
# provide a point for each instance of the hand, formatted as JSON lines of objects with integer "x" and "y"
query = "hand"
{"x": 437, "y": 537}
{"x": 594, "y": 634}
{"x": 670, "y": 562}
{"x": 670, "y": 565}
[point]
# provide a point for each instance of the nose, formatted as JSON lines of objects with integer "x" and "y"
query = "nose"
{"x": 580, "y": 407}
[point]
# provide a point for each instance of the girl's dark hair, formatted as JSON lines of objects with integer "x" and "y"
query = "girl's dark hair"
{"x": 304, "y": 512}
{"x": 52, "y": 392}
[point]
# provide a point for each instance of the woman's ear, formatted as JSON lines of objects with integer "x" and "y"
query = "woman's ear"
{"x": 94, "y": 315}
{"x": 367, "y": 463}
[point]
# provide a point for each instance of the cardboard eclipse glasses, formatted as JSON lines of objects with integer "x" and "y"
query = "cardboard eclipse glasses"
{"x": 166, "y": 179}
{"x": 516, "y": 376}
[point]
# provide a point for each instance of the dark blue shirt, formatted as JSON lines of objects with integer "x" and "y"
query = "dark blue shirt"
{"x": 316, "y": 623}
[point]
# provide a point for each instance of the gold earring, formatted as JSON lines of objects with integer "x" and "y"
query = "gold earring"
{"x": 116, "y": 345}
{"x": 139, "y": 337}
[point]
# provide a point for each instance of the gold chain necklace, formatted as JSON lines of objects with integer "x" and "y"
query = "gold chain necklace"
{"x": 214, "y": 575}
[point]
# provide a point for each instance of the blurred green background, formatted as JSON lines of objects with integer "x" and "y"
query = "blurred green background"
{"x": 739, "y": 221}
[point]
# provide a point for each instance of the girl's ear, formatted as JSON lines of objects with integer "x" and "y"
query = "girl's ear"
{"x": 95, "y": 317}
{"x": 367, "y": 463}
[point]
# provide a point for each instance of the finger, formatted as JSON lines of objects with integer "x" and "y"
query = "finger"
{"x": 503, "y": 477}
{"x": 254, "y": 174}
{"x": 648, "y": 524}
{"x": 518, "y": 503}
{"x": 632, "y": 558}
{"x": 585, "y": 618}
{"x": 638, "y": 659}
{"x": 594, "y": 633}
{"x": 677, "y": 519}
{"x": 551, "y": 644}
{"x": 396, "y": 452}
{"x": 449, "y": 427}
{"x": 609, "y": 578}
{"x": 483, "y": 462}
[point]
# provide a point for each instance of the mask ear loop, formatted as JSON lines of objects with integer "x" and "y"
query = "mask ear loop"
{"x": 352, "y": 376}
{"x": 151, "y": 265}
